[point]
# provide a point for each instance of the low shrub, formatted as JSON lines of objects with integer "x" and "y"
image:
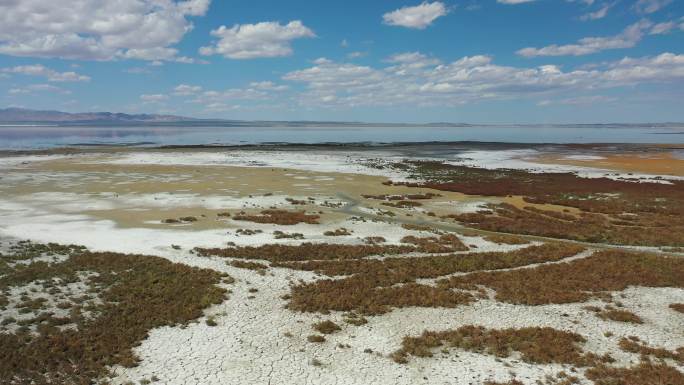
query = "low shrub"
{"x": 326, "y": 327}
{"x": 337, "y": 232}
{"x": 282, "y": 235}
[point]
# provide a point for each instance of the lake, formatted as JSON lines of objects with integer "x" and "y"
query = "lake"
{"x": 32, "y": 137}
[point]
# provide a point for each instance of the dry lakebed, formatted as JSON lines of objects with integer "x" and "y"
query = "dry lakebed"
{"x": 285, "y": 264}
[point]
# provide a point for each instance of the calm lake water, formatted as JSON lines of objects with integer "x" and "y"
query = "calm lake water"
{"x": 17, "y": 137}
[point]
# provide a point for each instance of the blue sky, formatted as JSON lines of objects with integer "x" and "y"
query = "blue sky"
{"x": 490, "y": 61}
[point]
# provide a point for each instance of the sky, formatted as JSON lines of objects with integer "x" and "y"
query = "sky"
{"x": 487, "y": 61}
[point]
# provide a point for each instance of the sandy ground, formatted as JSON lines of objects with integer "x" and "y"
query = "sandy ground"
{"x": 659, "y": 163}
{"x": 116, "y": 202}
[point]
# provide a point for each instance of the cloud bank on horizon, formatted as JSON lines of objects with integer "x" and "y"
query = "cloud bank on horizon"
{"x": 479, "y": 61}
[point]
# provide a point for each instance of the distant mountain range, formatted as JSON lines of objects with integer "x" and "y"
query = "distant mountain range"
{"x": 22, "y": 116}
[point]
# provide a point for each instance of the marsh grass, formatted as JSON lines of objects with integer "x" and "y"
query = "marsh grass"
{"x": 577, "y": 280}
{"x": 611, "y": 211}
{"x": 375, "y": 286}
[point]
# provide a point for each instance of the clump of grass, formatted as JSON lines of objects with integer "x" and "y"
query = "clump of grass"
{"x": 223, "y": 215}
{"x": 315, "y": 338}
{"x": 248, "y": 232}
{"x": 677, "y": 307}
{"x": 295, "y": 202}
{"x": 355, "y": 319}
{"x": 337, "y": 232}
{"x": 535, "y": 344}
{"x": 282, "y": 235}
{"x": 279, "y": 217}
{"x": 511, "y": 382}
{"x": 248, "y": 265}
{"x": 620, "y": 316}
{"x": 374, "y": 240}
{"x": 613, "y": 314}
{"x": 326, "y": 327}
{"x": 316, "y": 362}
{"x": 211, "y": 321}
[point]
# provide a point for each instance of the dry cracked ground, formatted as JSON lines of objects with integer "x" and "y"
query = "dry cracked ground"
{"x": 211, "y": 266}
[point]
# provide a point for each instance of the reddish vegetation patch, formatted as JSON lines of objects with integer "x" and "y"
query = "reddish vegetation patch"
{"x": 138, "y": 293}
{"x": 375, "y": 286}
{"x": 248, "y": 265}
{"x": 646, "y": 373}
{"x": 506, "y": 239}
{"x": 634, "y": 345}
{"x": 645, "y": 229}
{"x": 677, "y": 307}
{"x": 578, "y": 280}
{"x": 279, "y": 217}
{"x": 402, "y": 204}
{"x": 613, "y": 314}
{"x": 305, "y": 251}
{"x": 535, "y": 344}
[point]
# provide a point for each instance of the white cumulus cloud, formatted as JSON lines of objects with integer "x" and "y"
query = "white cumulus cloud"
{"x": 650, "y": 6}
{"x": 96, "y": 29}
{"x": 628, "y": 38}
{"x": 49, "y": 74}
{"x": 418, "y": 17}
{"x": 261, "y": 40}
